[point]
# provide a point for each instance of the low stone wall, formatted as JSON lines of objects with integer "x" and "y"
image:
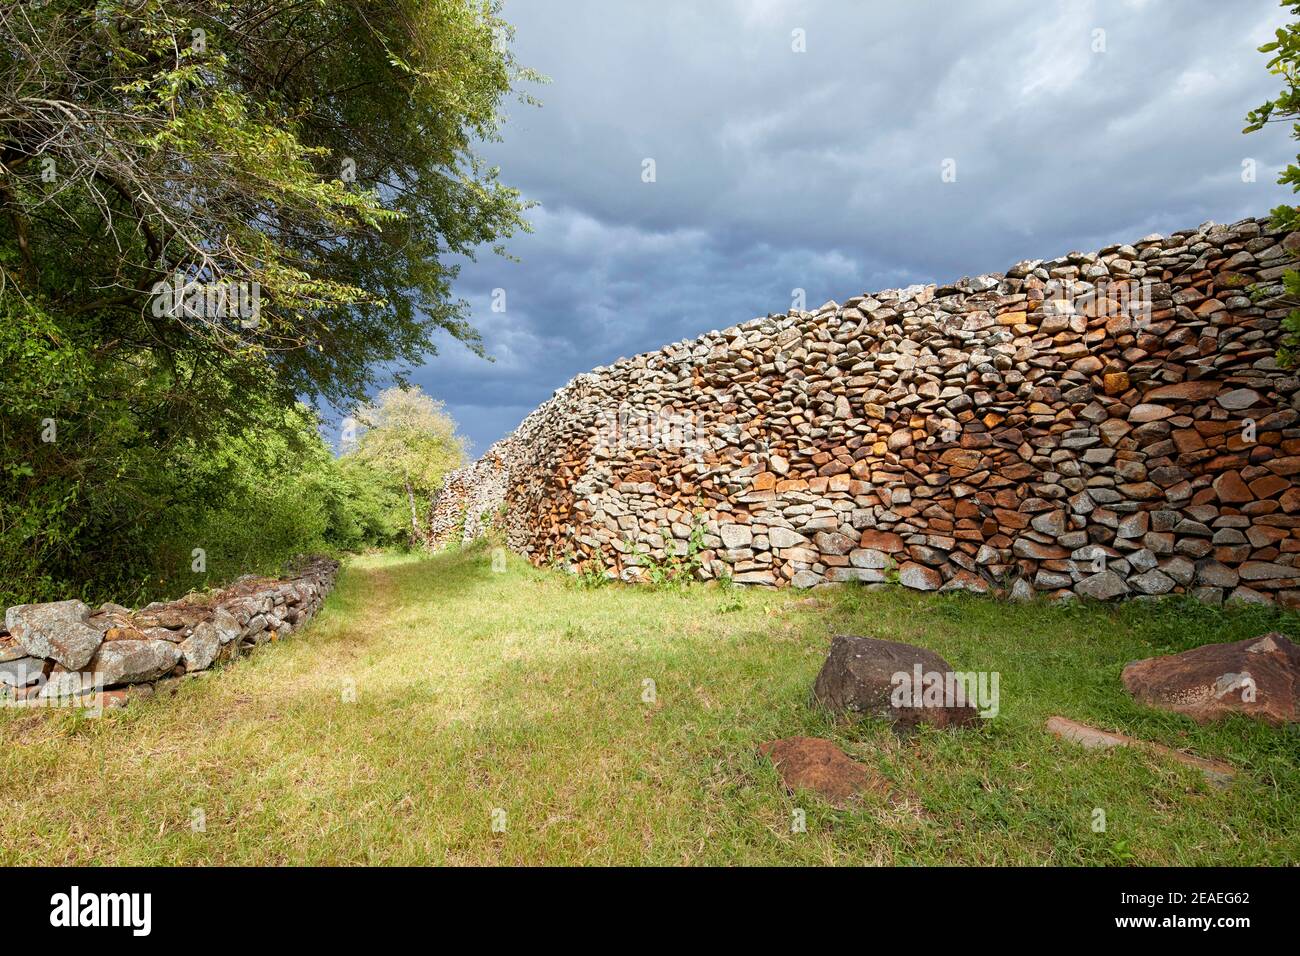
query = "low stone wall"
{"x": 64, "y": 651}
{"x": 1102, "y": 424}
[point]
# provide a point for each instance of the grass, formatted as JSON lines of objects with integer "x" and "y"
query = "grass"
{"x": 524, "y": 691}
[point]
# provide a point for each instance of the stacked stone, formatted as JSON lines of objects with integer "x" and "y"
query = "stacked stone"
{"x": 64, "y": 650}
{"x": 468, "y": 497}
{"x": 1026, "y": 432}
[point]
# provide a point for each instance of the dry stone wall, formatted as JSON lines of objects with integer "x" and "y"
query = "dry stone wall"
{"x": 64, "y": 652}
{"x": 1105, "y": 424}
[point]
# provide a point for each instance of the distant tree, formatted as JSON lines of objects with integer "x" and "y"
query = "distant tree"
{"x": 411, "y": 442}
{"x": 1285, "y": 108}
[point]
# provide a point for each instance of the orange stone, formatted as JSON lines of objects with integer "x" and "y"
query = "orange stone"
{"x": 885, "y": 541}
{"x": 1268, "y": 486}
{"x": 1231, "y": 489}
{"x": 1116, "y": 383}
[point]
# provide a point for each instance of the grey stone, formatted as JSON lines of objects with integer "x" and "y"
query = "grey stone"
{"x": 865, "y": 575}
{"x": 1245, "y": 595}
{"x": 1105, "y": 586}
{"x": 1152, "y": 582}
{"x": 806, "y": 579}
{"x": 131, "y": 662}
{"x": 736, "y": 535}
{"x": 832, "y": 542}
{"x": 22, "y": 672}
{"x": 1238, "y": 399}
{"x": 227, "y": 625}
{"x": 199, "y": 650}
{"x": 869, "y": 558}
{"x": 1181, "y": 570}
{"x": 57, "y": 631}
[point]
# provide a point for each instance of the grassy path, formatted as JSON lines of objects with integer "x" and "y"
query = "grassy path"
{"x": 432, "y": 691}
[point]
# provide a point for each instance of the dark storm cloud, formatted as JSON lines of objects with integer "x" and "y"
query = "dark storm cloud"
{"x": 820, "y": 170}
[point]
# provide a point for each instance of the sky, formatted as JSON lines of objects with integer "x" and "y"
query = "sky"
{"x": 803, "y": 145}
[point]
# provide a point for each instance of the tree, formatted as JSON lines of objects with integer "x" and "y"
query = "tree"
{"x": 309, "y": 160}
{"x": 411, "y": 442}
{"x": 1285, "y": 63}
{"x": 302, "y": 172}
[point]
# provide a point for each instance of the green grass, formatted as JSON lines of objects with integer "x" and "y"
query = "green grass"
{"x": 523, "y": 691}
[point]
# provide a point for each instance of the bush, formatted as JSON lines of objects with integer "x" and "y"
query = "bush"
{"x": 90, "y": 508}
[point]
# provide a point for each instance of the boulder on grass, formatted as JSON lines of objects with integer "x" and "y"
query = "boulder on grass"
{"x": 1258, "y": 677}
{"x": 809, "y": 763}
{"x": 859, "y": 676}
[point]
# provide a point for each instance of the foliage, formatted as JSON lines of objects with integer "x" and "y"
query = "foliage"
{"x": 128, "y": 528}
{"x": 592, "y": 575}
{"x": 319, "y": 151}
{"x": 409, "y": 444}
{"x": 891, "y": 572}
{"x": 676, "y": 570}
{"x": 208, "y": 146}
{"x": 1285, "y": 63}
{"x": 93, "y": 504}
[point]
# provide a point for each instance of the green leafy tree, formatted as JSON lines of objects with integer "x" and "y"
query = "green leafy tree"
{"x": 319, "y": 151}
{"x": 303, "y": 172}
{"x": 1284, "y": 62}
{"x": 409, "y": 442}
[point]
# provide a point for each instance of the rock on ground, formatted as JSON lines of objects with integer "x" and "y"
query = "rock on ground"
{"x": 1258, "y": 677}
{"x": 858, "y": 677}
{"x": 810, "y": 763}
{"x": 1090, "y": 738}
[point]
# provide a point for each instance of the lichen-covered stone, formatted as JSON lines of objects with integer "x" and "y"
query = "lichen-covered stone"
{"x": 133, "y": 662}
{"x": 1258, "y": 677}
{"x": 58, "y": 631}
{"x": 199, "y": 650}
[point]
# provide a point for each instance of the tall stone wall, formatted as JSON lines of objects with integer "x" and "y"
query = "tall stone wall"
{"x": 1104, "y": 424}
